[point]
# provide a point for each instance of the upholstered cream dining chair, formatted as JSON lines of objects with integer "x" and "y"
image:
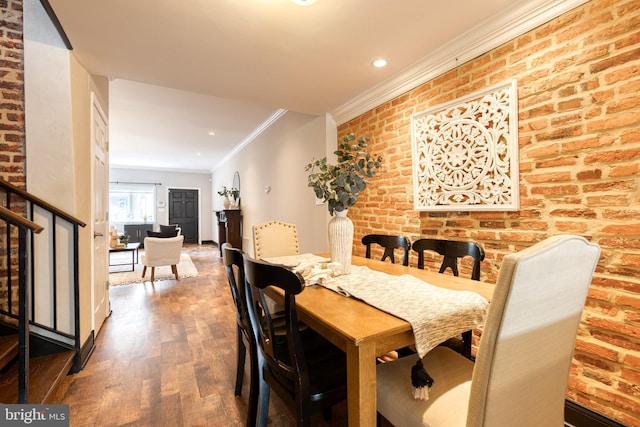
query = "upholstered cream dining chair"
{"x": 275, "y": 238}
{"x": 520, "y": 375}
{"x": 160, "y": 251}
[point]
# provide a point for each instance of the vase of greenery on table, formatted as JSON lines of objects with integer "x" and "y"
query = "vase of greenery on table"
{"x": 235, "y": 198}
{"x": 339, "y": 186}
{"x": 226, "y": 202}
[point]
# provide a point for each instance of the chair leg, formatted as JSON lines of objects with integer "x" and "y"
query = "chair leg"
{"x": 174, "y": 270}
{"x": 327, "y": 414}
{"x": 153, "y": 272}
{"x": 253, "y": 386}
{"x": 242, "y": 351}
{"x": 467, "y": 337}
{"x": 304, "y": 413}
{"x": 263, "y": 406}
{"x": 144, "y": 271}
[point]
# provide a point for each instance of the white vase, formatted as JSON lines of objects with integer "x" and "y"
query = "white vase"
{"x": 341, "y": 240}
{"x": 235, "y": 203}
{"x": 226, "y": 202}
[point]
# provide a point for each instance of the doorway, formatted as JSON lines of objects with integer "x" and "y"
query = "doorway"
{"x": 100, "y": 151}
{"x": 184, "y": 210}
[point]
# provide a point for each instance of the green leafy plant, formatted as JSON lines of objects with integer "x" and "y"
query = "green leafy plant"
{"x": 339, "y": 185}
{"x": 233, "y": 192}
{"x": 124, "y": 238}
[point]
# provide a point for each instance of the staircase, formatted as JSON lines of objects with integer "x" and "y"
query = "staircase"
{"x": 39, "y": 294}
{"x": 46, "y": 370}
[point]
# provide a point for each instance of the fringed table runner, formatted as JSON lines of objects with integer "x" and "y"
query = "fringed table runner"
{"x": 435, "y": 314}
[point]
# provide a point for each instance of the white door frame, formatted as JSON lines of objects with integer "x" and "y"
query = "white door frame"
{"x": 100, "y": 306}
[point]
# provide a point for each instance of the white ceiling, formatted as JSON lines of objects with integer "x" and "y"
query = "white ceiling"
{"x": 181, "y": 69}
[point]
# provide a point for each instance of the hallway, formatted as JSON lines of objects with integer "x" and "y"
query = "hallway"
{"x": 166, "y": 357}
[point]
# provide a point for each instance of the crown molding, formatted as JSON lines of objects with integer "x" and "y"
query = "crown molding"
{"x": 513, "y": 22}
{"x": 253, "y": 135}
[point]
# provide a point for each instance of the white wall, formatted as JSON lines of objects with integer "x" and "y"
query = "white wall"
{"x": 170, "y": 179}
{"x": 58, "y": 149}
{"x": 48, "y": 122}
{"x": 276, "y": 158}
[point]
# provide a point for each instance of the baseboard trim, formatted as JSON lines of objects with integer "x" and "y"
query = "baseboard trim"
{"x": 86, "y": 350}
{"x": 577, "y": 415}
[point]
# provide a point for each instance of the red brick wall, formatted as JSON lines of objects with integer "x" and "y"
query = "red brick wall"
{"x": 579, "y": 136}
{"x": 12, "y": 135}
{"x": 12, "y": 132}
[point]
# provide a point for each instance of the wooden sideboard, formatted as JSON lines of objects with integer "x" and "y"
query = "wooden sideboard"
{"x": 229, "y": 228}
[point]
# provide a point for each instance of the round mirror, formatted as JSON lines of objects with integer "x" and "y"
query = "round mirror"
{"x": 236, "y": 180}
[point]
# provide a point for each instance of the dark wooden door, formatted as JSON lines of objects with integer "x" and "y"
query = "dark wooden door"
{"x": 183, "y": 210}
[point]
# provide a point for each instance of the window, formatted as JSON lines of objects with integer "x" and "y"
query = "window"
{"x": 131, "y": 203}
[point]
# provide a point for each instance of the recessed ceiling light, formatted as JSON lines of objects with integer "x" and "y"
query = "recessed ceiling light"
{"x": 304, "y": 2}
{"x": 212, "y": 133}
{"x": 379, "y": 63}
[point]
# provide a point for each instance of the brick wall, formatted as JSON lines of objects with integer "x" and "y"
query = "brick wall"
{"x": 579, "y": 138}
{"x": 12, "y": 167}
{"x": 12, "y": 133}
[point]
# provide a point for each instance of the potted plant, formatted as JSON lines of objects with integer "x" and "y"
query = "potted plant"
{"x": 233, "y": 192}
{"x": 124, "y": 239}
{"x": 225, "y": 193}
{"x": 235, "y": 196}
{"x": 339, "y": 185}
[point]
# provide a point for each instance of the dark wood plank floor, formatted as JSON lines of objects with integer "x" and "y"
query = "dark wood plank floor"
{"x": 166, "y": 357}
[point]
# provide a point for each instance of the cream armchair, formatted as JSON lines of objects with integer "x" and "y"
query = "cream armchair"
{"x": 160, "y": 251}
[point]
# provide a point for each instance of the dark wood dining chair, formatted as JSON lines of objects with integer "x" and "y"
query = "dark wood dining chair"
{"x": 390, "y": 244}
{"x": 308, "y": 373}
{"x": 232, "y": 259}
{"x": 452, "y": 250}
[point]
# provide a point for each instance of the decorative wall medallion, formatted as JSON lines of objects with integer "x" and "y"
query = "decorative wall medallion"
{"x": 465, "y": 153}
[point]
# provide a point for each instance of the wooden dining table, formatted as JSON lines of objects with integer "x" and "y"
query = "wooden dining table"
{"x": 364, "y": 332}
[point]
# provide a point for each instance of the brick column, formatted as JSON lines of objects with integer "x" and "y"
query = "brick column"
{"x": 12, "y": 130}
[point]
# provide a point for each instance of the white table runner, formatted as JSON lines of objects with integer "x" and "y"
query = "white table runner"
{"x": 435, "y": 314}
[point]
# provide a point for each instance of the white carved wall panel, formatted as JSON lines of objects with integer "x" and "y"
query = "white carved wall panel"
{"x": 465, "y": 153}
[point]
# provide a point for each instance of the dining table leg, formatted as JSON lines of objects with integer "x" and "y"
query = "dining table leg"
{"x": 361, "y": 384}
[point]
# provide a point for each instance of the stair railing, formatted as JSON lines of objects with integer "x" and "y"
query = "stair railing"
{"x": 25, "y": 228}
{"x": 51, "y": 270}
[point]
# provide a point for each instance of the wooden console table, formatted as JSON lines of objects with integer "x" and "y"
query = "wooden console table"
{"x": 229, "y": 228}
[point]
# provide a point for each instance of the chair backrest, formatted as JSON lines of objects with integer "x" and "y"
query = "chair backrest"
{"x": 389, "y": 243}
{"x": 522, "y": 368}
{"x": 259, "y": 275}
{"x": 233, "y": 261}
{"x": 162, "y": 250}
{"x": 275, "y": 238}
{"x": 451, "y": 250}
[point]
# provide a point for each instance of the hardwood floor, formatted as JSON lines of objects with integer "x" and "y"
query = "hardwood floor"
{"x": 166, "y": 357}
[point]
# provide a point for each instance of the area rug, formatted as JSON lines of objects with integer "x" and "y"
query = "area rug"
{"x": 185, "y": 269}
